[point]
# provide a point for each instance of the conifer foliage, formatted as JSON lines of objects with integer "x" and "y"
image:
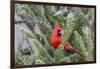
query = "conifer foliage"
{"x": 34, "y": 25}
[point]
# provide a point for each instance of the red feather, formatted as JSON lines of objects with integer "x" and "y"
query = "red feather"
{"x": 68, "y": 48}
{"x": 55, "y": 40}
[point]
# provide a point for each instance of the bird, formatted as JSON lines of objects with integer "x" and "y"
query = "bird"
{"x": 68, "y": 48}
{"x": 56, "y": 36}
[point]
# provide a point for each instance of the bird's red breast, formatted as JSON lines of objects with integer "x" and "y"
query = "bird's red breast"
{"x": 55, "y": 41}
{"x": 55, "y": 38}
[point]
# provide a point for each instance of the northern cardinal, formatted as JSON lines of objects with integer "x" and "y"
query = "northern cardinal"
{"x": 56, "y": 36}
{"x": 68, "y": 48}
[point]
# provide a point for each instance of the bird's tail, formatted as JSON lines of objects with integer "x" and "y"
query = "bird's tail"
{"x": 78, "y": 52}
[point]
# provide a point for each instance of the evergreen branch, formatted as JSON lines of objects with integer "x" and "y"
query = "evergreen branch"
{"x": 43, "y": 51}
{"x": 81, "y": 46}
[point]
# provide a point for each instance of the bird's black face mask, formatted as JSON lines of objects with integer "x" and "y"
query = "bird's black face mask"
{"x": 60, "y": 33}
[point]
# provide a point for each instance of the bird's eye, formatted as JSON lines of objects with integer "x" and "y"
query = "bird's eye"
{"x": 59, "y": 33}
{"x": 58, "y": 30}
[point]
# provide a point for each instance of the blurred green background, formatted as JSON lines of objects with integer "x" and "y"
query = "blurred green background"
{"x": 33, "y": 28}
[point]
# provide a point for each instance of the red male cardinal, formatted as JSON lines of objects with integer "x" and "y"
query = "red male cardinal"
{"x": 56, "y": 36}
{"x": 69, "y": 48}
